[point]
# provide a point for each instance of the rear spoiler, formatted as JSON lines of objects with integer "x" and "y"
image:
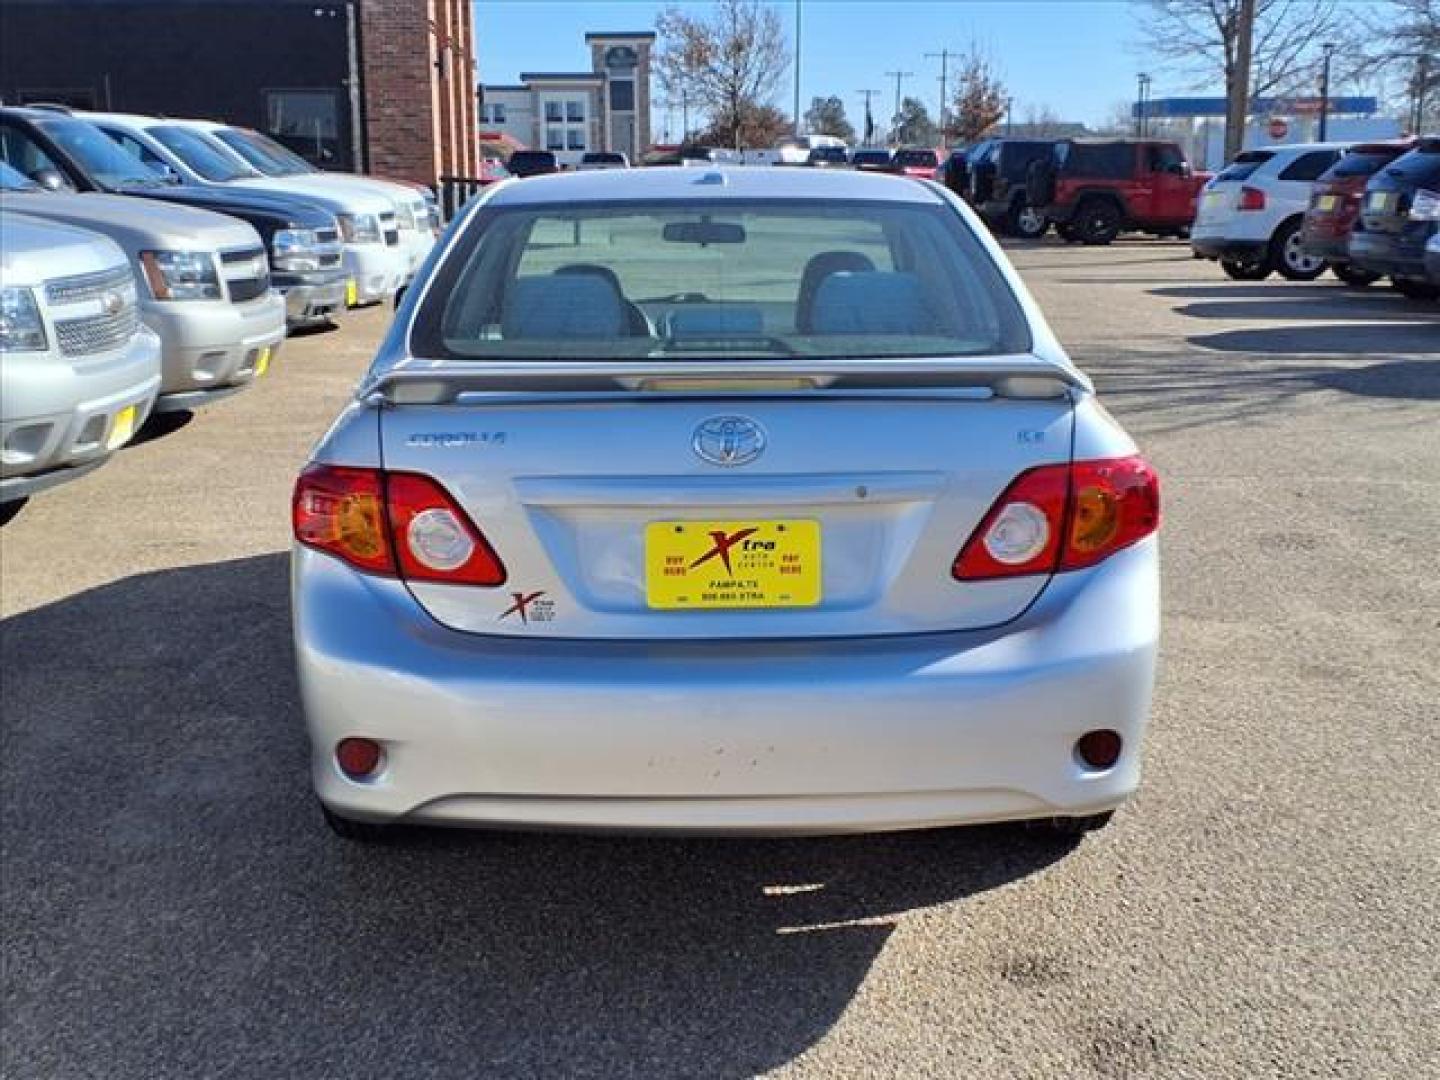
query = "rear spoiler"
{"x": 445, "y": 382}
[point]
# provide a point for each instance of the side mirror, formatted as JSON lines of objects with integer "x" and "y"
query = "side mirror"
{"x": 51, "y": 180}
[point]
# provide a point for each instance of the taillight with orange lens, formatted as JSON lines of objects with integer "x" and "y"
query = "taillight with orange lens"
{"x": 342, "y": 511}
{"x": 1114, "y": 503}
{"x": 1251, "y": 199}
{"x": 395, "y": 524}
{"x": 1063, "y": 517}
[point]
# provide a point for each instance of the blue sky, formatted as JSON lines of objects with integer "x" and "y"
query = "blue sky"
{"x": 1077, "y": 57}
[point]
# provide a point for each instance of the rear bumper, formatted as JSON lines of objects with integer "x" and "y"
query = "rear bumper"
{"x": 1432, "y": 266}
{"x": 1217, "y": 248}
{"x": 727, "y": 736}
{"x": 1333, "y": 247}
{"x": 1389, "y": 254}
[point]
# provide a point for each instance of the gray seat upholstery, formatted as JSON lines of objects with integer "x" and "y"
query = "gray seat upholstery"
{"x": 563, "y": 306}
{"x": 878, "y": 302}
{"x": 817, "y": 270}
{"x": 635, "y": 320}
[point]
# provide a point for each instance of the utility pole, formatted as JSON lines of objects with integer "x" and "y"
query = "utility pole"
{"x": 797, "y": 68}
{"x": 869, "y": 129}
{"x": 1329, "y": 48}
{"x": 1237, "y": 107}
{"x": 897, "y": 76}
{"x": 944, "y": 57}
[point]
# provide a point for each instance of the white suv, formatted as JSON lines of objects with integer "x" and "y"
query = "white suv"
{"x": 1250, "y": 215}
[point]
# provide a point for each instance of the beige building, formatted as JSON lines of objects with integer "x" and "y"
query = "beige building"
{"x": 571, "y": 113}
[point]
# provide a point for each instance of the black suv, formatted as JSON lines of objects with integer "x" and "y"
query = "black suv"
{"x": 64, "y": 153}
{"x": 998, "y": 172}
{"x": 532, "y": 163}
{"x": 1399, "y": 214}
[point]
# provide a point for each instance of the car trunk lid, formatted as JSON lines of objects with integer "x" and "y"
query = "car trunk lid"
{"x": 588, "y": 485}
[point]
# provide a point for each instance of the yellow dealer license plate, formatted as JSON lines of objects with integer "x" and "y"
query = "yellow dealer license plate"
{"x": 1327, "y": 203}
{"x": 352, "y": 293}
{"x": 262, "y": 362}
{"x": 1214, "y": 198}
{"x": 122, "y": 428}
{"x": 1377, "y": 200}
{"x": 732, "y": 564}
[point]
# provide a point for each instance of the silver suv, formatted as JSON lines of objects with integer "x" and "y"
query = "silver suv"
{"x": 78, "y": 370}
{"x": 204, "y": 285}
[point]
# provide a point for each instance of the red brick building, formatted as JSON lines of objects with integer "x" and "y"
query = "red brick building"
{"x": 420, "y": 77}
{"x": 380, "y": 86}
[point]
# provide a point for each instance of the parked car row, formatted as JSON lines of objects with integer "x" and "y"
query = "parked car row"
{"x": 155, "y": 265}
{"x": 1365, "y": 211}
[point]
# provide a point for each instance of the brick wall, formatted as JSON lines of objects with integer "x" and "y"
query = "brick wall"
{"x": 419, "y": 75}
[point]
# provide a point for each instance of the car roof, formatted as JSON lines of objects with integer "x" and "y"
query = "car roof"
{"x": 713, "y": 182}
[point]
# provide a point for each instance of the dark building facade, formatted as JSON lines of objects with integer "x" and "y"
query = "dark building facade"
{"x": 386, "y": 86}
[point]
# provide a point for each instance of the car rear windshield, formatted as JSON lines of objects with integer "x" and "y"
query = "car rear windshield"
{"x": 1360, "y": 163}
{"x": 870, "y": 157}
{"x": 727, "y": 279}
{"x": 1244, "y": 164}
{"x": 916, "y": 157}
{"x": 1419, "y": 167}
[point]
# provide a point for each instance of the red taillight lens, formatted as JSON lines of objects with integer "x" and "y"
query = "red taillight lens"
{"x": 1252, "y": 199}
{"x": 1021, "y": 533}
{"x": 434, "y": 539}
{"x": 342, "y": 511}
{"x": 1063, "y": 517}
{"x": 387, "y": 522}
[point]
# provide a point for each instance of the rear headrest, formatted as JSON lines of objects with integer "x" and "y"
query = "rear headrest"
{"x": 877, "y": 302}
{"x": 817, "y": 270}
{"x": 562, "y": 306}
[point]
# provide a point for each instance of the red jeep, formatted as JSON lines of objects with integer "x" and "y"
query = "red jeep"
{"x": 1095, "y": 189}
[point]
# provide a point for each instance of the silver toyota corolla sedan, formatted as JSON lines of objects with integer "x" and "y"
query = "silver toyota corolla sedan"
{"x": 723, "y": 500}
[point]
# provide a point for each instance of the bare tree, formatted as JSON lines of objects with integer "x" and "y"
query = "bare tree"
{"x": 1403, "y": 44}
{"x": 758, "y": 125}
{"x": 1210, "y": 36}
{"x": 980, "y": 99}
{"x": 729, "y": 63}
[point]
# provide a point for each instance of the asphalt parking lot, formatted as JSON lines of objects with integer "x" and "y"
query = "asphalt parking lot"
{"x": 1269, "y": 906}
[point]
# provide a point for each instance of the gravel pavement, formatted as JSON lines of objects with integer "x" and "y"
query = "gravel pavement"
{"x": 1269, "y": 906}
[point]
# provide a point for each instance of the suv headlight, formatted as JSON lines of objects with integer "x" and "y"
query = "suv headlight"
{"x": 181, "y": 275}
{"x": 294, "y": 251}
{"x": 1425, "y": 206}
{"x": 360, "y": 228}
{"x": 21, "y": 328}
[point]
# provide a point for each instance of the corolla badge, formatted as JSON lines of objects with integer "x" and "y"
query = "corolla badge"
{"x": 729, "y": 440}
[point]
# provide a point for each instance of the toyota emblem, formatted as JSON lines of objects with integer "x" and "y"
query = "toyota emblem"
{"x": 729, "y": 440}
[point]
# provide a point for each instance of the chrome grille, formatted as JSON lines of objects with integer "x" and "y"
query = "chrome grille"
{"x": 97, "y": 333}
{"x": 81, "y": 287}
{"x": 247, "y": 273}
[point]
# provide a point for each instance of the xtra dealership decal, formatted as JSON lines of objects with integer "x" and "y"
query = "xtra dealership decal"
{"x": 723, "y": 542}
{"x": 530, "y": 607}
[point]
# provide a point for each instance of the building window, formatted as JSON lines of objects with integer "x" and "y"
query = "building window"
{"x": 555, "y": 138}
{"x": 553, "y": 112}
{"x": 307, "y": 121}
{"x": 575, "y": 112}
{"x": 622, "y": 95}
{"x": 577, "y": 138}
{"x": 495, "y": 114}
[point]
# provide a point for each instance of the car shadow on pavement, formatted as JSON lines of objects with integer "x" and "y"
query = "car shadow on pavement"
{"x": 1341, "y": 309}
{"x": 1347, "y": 339}
{"x": 175, "y": 906}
